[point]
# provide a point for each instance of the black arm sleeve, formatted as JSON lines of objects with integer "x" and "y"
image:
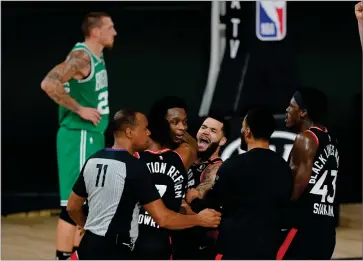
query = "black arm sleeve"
{"x": 143, "y": 185}
{"x": 215, "y": 197}
{"x": 80, "y": 186}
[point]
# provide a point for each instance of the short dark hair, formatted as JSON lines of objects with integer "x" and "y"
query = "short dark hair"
{"x": 91, "y": 21}
{"x": 261, "y": 122}
{"x": 219, "y": 117}
{"x": 315, "y": 102}
{"x": 158, "y": 125}
{"x": 123, "y": 119}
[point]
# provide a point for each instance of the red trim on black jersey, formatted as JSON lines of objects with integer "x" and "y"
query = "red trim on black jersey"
{"x": 325, "y": 129}
{"x": 213, "y": 161}
{"x": 171, "y": 243}
{"x": 180, "y": 156}
{"x": 314, "y": 135}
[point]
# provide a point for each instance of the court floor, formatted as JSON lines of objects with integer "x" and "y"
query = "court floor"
{"x": 29, "y": 238}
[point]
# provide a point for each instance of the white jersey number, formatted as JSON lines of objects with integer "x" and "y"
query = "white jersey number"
{"x": 322, "y": 190}
{"x": 102, "y": 106}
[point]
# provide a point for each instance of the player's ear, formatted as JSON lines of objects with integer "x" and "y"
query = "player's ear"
{"x": 249, "y": 133}
{"x": 96, "y": 31}
{"x": 128, "y": 133}
{"x": 304, "y": 113}
{"x": 222, "y": 141}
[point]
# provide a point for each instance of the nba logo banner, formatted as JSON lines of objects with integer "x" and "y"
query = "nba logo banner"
{"x": 271, "y": 20}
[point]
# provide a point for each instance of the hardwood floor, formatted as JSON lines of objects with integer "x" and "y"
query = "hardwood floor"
{"x": 26, "y": 237}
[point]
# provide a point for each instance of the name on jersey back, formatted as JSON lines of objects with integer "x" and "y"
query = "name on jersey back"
{"x": 320, "y": 188}
{"x": 177, "y": 178}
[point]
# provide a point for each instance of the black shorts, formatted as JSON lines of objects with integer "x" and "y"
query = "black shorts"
{"x": 94, "y": 247}
{"x": 307, "y": 244}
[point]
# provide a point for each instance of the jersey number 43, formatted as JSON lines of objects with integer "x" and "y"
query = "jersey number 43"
{"x": 320, "y": 188}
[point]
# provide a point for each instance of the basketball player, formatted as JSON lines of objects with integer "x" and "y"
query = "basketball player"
{"x": 79, "y": 85}
{"x": 358, "y": 13}
{"x": 115, "y": 182}
{"x": 199, "y": 243}
{"x": 167, "y": 122}
{"x": 173, "y": 109}
{"x": 254, "y": 189}
{"x": 314, "y": 160}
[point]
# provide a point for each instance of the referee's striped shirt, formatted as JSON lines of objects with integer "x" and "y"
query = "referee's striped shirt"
{"x": 115, "y": 184}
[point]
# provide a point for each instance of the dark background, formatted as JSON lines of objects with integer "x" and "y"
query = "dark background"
{"x": 163, "y": 48}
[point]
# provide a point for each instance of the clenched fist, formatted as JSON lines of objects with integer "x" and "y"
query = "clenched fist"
{"x": 209, "y": 218}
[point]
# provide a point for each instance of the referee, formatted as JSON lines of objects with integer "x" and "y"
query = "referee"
{"x": 254, "y": 190}
{"x": 114, "y": 182}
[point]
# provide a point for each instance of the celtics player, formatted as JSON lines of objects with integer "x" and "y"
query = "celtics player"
{"x": 79, "y": 85}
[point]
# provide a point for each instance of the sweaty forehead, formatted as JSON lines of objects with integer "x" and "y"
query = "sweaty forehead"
{"x": 176, "y": 113}
{"x": 212, "y": 123}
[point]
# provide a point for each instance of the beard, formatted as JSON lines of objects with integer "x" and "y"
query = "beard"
{"x": 243, "y": 143}
{"x": 205, "y": 155}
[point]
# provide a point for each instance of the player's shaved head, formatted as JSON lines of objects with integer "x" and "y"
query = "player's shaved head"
{"x": 124, "y": 119}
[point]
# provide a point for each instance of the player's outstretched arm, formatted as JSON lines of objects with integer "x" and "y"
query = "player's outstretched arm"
{"x": 301, "y": 162}
{"x": 77, "y": 65}
{"x": 359, "y": 14}
{"x": 172, "y": 220}
{"x": 188, "y": 150}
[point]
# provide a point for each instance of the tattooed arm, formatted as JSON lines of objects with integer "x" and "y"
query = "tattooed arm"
{"x": 205, "y": 185}
{"x": 77, "y": 66}
{"x": 208, "y": 179}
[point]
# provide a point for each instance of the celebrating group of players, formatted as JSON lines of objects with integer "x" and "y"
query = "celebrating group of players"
{"x": 159, "y": 193}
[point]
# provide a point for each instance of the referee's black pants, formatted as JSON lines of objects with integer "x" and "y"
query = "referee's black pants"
{"x": 94, "y": 247}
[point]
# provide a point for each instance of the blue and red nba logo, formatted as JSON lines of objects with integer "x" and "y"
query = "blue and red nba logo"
{"x": 271, "y": 20}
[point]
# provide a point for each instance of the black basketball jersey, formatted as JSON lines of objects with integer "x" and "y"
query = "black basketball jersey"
{"x": 170, "y": 178}
{"x": 196, "y": 171}
{"x": 196, "y": 236}
{"x": 317, "y": 206}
